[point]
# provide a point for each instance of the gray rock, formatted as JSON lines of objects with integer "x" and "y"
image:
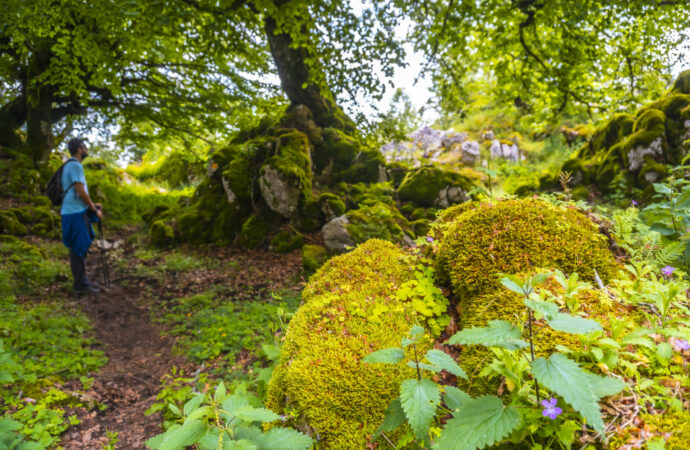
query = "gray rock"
{"x": 450, "y": 195}
{"x": 280, "y": 195}
{"x": 488, "y": 135}
{"x": 335, "y": 235}
{"x": 469, "y": 151}
{"x": 511, "y": 152}
{"x": 228, "y": 192}
{"x": 496, "y": 151}
{"x": 636, "y": 155}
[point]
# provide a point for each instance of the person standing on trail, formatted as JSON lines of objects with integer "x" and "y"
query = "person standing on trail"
{"x": 78, "y": 213}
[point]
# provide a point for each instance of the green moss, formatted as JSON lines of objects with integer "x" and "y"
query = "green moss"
{"x": 423, "y": 185}
{"x": 331, "y": 205}
{"x": 682, "y": 83}
{"x": 479, "y": 240}
{"x": 420, "y": 227}
{"x": 349, "y": 310}
{"x": 161, "y": 234}
{"x": 671, "y": 425}
{"x": 309, "y": 217}
{"x": 286, "y": 241}
{"x": 361, "y": 194}
{"x": 313, "y": 257}
{"x": 424, "y": 213}
{"x": 378, "y": 221}
{"x": 396, "y": 172}
{"x": 10, "y": 224}
{"x": 580, "y": 193}
{"x": 619, "y": 126}
{"x": 253, "y": 233}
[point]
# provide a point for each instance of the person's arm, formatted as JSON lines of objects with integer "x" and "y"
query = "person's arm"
{"x": 84, "y": 196}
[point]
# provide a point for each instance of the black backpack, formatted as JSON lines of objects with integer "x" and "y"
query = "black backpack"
{"x": 54, "y": 189}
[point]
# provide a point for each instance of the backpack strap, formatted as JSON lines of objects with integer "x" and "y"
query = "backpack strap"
{"x": 64, "y": 193}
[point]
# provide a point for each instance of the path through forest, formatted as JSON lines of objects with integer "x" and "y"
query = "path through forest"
{"x": 137, "y": 358}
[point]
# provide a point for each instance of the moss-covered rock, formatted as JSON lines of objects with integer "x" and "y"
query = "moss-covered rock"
{"x": 682, "y": 83}
{"x": 285, "y": 178}
{"x": 396, "y": 172}
{"x": 349, "y": 310}
{"x": 254, "y": 232}
{"x": 432, "y": 187}
{"x": 378, "y": 221}
{"x": 340, "y": 157}
{"x": 161, "y": 234}
{"x": 479, "y": 240}
{"x": 313, "y": 257}
{"x": 10, "y": 224}
{"x": 309, "y": 217}
{"x": 331, "y": 205}
{"x": 286, "y": 241}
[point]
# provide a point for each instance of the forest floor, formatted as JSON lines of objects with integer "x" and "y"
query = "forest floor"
{"x": 141, "y": 352}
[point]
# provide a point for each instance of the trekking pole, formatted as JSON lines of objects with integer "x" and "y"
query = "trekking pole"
{"x": 104, "y": 260}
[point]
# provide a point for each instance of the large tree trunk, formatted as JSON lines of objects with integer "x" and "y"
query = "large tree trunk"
{"x": 12, "y": 116}
{"x": 295, "y": 81}
{"x": 39, "y": 123}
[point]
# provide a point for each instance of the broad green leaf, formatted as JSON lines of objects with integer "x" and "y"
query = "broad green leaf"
{"x": 577, "y": 387}
{"x": 573, "y": 324}
{"x": 416, "y": 332}
{"x": 499, "y": 333}
{"x": 664, "y": 351}
{"x": 193, "y": 404}
{"x": 7, "y": 425}
{"x": 662, "y": 188}
{"x": 175, "y": 410}
{"x": 251, "y": 414}
{"x": 512, "y": 285}
{"x": 233, "y": 403}
{"x": 283, "y": 438}
{"x": 419, "y": 399}
{"x": 604, "y": 386}
{"x": 392, "y": 355}
{"x": 177, "y": 438}
{"x": 443, "y": 360}
{"x": 241, "y": 444}
{"x": 423, "y": 366}
{"x": 546, "y": 309}
{"x": 454, "y": 398}
{"x": 198, "y": 413}
{"x": 220, "y": 393}
{"x": 480, "y": 422}
{"x": 395, "y": 416}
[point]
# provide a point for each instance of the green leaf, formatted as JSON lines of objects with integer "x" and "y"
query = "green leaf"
{"x": 664, "y": 351}
{"x": 251, "y": 414}
{"x": 480, "y": 422}
{"x": 188, "y": 434}
{"x": 395, "y": 416}
{"x": 419, "y": 399}
{"x": 499, "y": 333}
{"x": 416, "y": 332}
{"x": 392, "y": 355}
{"x": 662, "y": 188}
{"x": 220, "y": 393}
{"x": 546, "y": 309}
{"x": 455, "y": 398}
{"x": 7, "y": 425}
{"x": 577, "y": 387}
{"x": 444, "y": 361}
{"x": 284, "y": 438}
{"x": 512, "y": 284}
{"x": 423, "y": 366}
{"x": 193, "y": 404}
{"x": 175, "y": 410}
{"x": 573, "y": 324}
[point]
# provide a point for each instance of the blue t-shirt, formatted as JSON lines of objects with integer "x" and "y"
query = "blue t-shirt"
{"x": 73, "y": 172}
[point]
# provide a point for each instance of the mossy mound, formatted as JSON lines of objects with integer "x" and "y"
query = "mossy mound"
{"x": 671, "y": 425}
{"x": 349, "y": 310}
{"x": 479, "y": 240}
{"x": 432, "y": 187}
{"x": 271, "y": 173}
{"x": 176, "y": 169}
{"x": 313, "y": 257}
{"x": 254, "y": 232}
{"x": 378, "y": 221}
{"x": 633, "y": 151}
{"x": 506, "y": 305}
{"x": 286, "y": 241}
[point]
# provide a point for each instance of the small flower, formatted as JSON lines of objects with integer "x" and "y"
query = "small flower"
{"x": 682, "y": 344}
{"x": 634, "y": 203}
{"x": 550, "y": 409}
{"x": 29, "y": 400}
{"x": 668, "y": 271}
{"x": 429, "y": 239}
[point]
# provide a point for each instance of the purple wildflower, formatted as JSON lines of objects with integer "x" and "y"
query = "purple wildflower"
{"x": 668, "y": 271}
{"x": 682, "y": 344}
{"x": 634, "y": 203}
{"x": 550, "y": 409}
{"x": 429, "y": 239}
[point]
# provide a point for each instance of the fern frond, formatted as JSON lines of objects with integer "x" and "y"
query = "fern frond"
{"x": 669, "y": 253}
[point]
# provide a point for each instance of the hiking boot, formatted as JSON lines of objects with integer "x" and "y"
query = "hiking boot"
{"x": 90, "y": 289}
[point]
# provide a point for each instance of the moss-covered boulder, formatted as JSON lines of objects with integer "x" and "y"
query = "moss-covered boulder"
{"x": 476, "y": 241}
{"x": 633, "y": 150}
{"x": 286, "y": 241}
{"x": 432, "y": 187}
{"x": 313, "y": 257}
{"x": 285, "y": 177}
{"x": 10, "y": 224}
{"x": 161, "y": 234}
{"x": 254, "y": 232}
{"x": 349, "y": 310}
{"x": 331, "y": 205}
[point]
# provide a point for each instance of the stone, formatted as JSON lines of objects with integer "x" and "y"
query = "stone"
{"x": 469, "y": 151}
{"x": 496, "y": 151}
{"x": 511, "y": 152}
{"x": 450, "y": 195}
{"x": 280, "y": 195}
{"x": 228, "y": 192}
{"x": 451, "y": 138}
{"x": 636, "y": 155}
{"x": 488, "y": 135}
{"x": 335, "y": 235}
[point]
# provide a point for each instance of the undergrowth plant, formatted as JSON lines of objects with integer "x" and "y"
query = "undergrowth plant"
{"x": 227, "y": 420}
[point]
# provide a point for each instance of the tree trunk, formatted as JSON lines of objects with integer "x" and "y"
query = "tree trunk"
{"x": 295, "y": 81}
{"x": 39, "y": 124}
{"x": 12, "y": 116}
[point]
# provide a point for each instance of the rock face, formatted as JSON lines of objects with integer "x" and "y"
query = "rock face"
{"x": 505, "y": 149}
{"x": 431, "y": 187}
{"x": 335, "y": 235}
{"x": 469, "y": 151}
{"x": 636, "y": 156}
{"x": 280, "y": 195}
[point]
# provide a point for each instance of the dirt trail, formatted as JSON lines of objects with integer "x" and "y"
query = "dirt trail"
{"x": 137, "y": 358}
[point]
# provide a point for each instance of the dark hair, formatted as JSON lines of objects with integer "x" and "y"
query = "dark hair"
{"x": 74, "y": 144}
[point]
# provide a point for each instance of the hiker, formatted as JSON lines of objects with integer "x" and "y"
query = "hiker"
{"x": 78, "y": 213}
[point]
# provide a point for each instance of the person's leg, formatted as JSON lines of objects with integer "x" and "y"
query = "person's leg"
{"x": 78, "y": 266}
